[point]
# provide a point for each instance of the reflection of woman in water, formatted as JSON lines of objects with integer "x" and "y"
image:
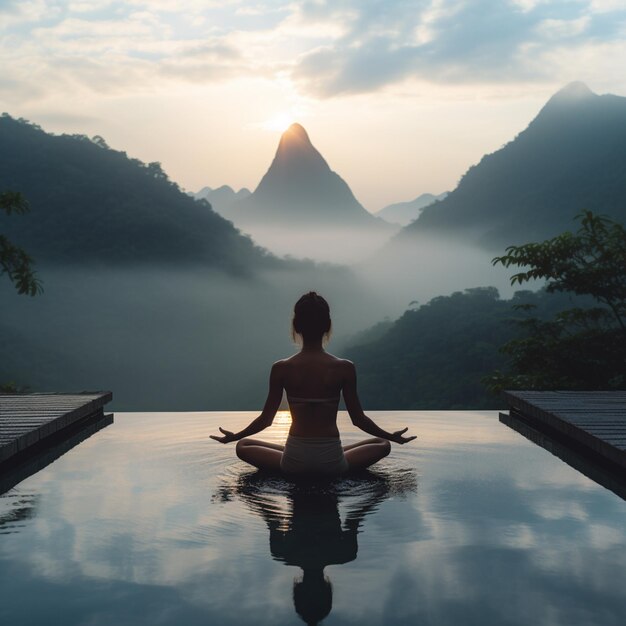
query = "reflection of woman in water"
{"x": 313, "y": 380}
{"x": 313, "y": 538}
{"x": 310, "y": 533}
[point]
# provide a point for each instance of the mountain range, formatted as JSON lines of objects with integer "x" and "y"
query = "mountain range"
{"x": 404, "y": 213}
{"x": 130, "y": 303}
{"x": 571, "y": 157}
{"x": 222, "y": 198}
{"x": 90, "y": 203}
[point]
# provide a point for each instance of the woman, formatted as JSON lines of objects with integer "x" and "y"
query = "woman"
{"x": 313, "y": 380}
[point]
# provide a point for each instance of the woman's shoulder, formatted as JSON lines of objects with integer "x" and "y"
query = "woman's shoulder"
{"x": 342, "y": 363}
{"x": 282, "y": 365}
{"x": 279, "y": 365}
{"x": 295, "y": 359}
{"x": 286, "y": 361}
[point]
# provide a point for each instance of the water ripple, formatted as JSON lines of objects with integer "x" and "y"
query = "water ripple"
{"x": 275, "y": 497}
{"x": 16, "y": 509}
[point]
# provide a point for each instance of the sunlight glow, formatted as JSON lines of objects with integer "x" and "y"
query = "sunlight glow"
{"x": 279, "y": 122}
{"x": 280, "y": 427}
{"x": 282, "y": 417}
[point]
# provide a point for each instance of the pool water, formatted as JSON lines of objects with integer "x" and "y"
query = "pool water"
{"x": 151, "y": 522}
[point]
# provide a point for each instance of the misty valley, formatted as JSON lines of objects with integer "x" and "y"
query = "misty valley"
{"x": 180, "y": 301}
{"x": 313, "y": 312}
{"x": 175, "y": 338}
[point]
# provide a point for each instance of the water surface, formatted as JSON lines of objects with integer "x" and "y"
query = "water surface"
{"x": 150, "y": 522}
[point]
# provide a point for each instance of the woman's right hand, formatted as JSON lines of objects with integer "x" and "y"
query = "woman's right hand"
{"x": 397, "y": 436}
{"x": 227, "y": 438}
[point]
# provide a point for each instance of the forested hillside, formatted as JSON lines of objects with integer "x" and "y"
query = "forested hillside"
{"x": 572, "y": 157}
{"x": 434, "y": 356}
{"x": 90, "y": 203}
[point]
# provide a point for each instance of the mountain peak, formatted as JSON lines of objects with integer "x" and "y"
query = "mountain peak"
{"x": 295, "y": 141}
{"x": 297, "y": 131}
{"x": 300, "y": 188}
{"x": 573, "y": 92}
{"x": 572, "y": 99}
{"x": 570, "y": 158}
{"x": 296, "y": 153}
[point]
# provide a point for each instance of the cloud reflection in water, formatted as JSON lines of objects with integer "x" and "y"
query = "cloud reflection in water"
{"x": 305, "y": 526}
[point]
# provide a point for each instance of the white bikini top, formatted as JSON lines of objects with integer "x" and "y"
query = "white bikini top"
{"x": 294, "y": 400}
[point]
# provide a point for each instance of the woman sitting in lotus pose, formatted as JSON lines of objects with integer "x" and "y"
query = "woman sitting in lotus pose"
{"x": 313, "y": 380}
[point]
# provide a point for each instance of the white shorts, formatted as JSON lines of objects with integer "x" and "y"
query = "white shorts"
{"x": 313, "y": 455}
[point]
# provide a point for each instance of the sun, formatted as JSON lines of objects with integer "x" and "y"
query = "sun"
{"x": 279, "y": 122}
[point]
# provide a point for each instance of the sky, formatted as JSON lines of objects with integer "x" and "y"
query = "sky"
{"x": 399, "y": 96}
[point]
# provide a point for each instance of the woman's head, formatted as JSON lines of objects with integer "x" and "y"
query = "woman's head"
{"x": 311, "y": 318}
{"x": 313, "y": 597}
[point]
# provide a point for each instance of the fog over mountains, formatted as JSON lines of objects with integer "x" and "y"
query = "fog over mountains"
{"x": 150, "y": 292}
{"x": 222, "y": 198}
{"x": 302, "y": 208}
{"x": 571, "y": 157}
{"x": 404, "y": 213}
{"x": 300, "y": 189}
{"x": 147, "y": 291}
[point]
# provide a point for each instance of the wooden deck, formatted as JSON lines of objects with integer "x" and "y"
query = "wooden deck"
{"x": 610, "y": 476}
{"x": 20, "y": 467}
{"x": 28, "y": 421}
{"x": 593, "y": 420}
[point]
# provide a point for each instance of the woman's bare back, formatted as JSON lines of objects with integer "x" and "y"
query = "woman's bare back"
{"x": 313, "y": 382}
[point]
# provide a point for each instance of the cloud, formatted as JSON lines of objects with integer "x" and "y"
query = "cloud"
{"x": 325, "y": 47}
{"x": 121, "y": 49}
{"x": 203, "y": 61}
{"x": 448, "y": 41}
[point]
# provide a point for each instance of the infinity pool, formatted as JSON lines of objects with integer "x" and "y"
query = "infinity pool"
{"x": 150, "y": 522}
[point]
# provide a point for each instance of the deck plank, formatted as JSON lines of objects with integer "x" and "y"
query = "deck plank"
{"x": 28, "y": 419}
{"x": 594, "y": 419}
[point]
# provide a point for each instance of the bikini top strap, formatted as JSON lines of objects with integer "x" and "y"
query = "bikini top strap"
{"x": 296, "y": 400}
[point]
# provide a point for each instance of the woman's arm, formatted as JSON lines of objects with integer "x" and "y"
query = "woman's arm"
{"x": 274, "y": 396}
{"x": 358, "y": 417}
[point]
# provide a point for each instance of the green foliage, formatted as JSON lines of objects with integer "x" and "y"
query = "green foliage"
{"x": 15, "y": 262}
{"x": 592, "y": 261}
{"x": 441, "y": 354}
{"x": 435, "y": 355}
{"x": 579, "y": 348}
{"x": 13, "y": 202}
{"x": 12, "y": 388}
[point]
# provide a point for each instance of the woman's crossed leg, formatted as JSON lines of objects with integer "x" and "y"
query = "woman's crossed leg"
{"x": 367, "y": 452}
{"x": 261, "y": 454}
{"x": 267, "y": 456}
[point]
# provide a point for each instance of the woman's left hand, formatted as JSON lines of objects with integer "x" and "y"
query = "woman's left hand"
{"x": 397, "y": 436}
{"x": 227, "y": 438}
